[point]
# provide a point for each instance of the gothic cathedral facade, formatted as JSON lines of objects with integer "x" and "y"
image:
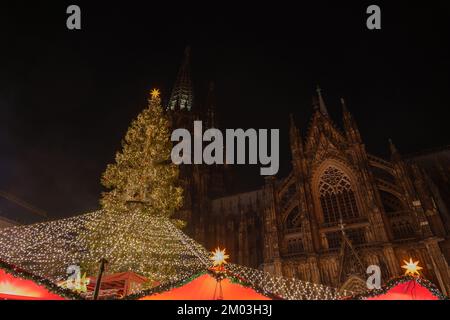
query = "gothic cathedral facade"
{"x": 340, "y": 210}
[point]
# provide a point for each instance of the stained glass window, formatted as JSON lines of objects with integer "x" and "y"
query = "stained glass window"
{"x": 337, "y": 197}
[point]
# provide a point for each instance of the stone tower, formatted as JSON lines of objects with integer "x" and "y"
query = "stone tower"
{"x": 384, "y": 208}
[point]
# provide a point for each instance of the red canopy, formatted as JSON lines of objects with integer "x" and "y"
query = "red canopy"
{"x": 410, "y": 290}
{"x": 204, "y": 288}
{"x": 16, "y": 288}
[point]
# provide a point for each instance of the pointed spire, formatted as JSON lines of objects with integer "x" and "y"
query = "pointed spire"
{"x": 210, "y": 108}
{"x": 187, "y": 51}
{"x": 182, "y": 95}
{"x": 344, "y": 107}
{"x": 392, "y": 147}
{"x": 292, "y": 122}
{"x": 292, "y": 126}
{"x": 346, "y": 115}
{"x": 321, "y": 102}
{"x": 394, "y": 151}
{"x": 295, "y": 138}
{"x": 350, "y": 126}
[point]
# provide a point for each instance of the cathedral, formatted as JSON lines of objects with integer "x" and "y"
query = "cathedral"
{"x": 340, "y": 210}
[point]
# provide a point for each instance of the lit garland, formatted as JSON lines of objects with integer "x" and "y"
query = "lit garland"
{"x": 46, "y": 249}
{"x": 399, "y": 280}
{"x": 165, "y": 287}
{"x": 289, "y": 289}
{"x": 170, "y": 286}
{"x": 160, "y": 251}
{"x": 301, "y": 290}
{"x": 47, "y": 284}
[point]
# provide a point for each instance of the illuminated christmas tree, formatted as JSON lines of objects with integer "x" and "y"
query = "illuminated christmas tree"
{"x": 141, "y": 177}
{"x": 134, "y": 230}
{"x": 142, "y": 193}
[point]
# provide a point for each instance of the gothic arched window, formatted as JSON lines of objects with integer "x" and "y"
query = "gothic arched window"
{"x": 295, "y": 245}
{"x": 287, "y": 195}
{"x": 293, "y": 220}
{"x": 337, "y": 197}
{"x": 390, "y": 202}
{"x": 402, "y": 229}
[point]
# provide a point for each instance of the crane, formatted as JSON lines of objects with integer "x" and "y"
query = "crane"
{"x": 22, "y": 203}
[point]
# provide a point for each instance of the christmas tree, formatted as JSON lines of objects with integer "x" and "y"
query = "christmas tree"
{"x": 133, "y": 231}
{"x": 141, "y": 177}
{"x": 142, "y": 193}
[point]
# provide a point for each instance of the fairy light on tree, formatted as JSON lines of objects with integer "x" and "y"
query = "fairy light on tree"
{"x": 141, "y": 185}
{"x": 140, "y": 175}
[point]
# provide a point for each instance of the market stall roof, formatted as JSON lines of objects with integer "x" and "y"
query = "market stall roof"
{"x": 16, "y": 284}
{"x": 206, "y": 287}
{"x": 47, "y": 249}
{"x": 405, "y": 288}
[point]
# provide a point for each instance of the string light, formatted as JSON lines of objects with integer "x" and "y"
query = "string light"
{"x": 156, "y": 248}
{"x": 46, "y": 249}
{"x": 400, "y": 280}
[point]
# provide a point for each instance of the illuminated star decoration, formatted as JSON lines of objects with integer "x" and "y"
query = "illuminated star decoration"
{"x": 84, "y": 281}
{"x": 412, "y": 268}
{"x": 155, "y": 93}
{"x": 77, "y": 285}
{"x": 219, "y": 257}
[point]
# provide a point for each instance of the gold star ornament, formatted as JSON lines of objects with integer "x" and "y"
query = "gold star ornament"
{"x": 411, "y": 268}
{"x": 155, "y": 93}
{"x": 219, "y": 257}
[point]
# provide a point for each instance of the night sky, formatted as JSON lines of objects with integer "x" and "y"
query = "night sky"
{"x": 67, "y": 97}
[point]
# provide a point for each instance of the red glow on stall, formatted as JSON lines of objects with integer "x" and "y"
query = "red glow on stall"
{"x": 203, "y": 288}
{"x": 13, "y": 288}
{"x": 410, "y": 290}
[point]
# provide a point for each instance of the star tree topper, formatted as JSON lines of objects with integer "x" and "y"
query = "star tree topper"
{"x": 219, "y": 257}
{"x": 412, "y": 268}
{"x": 155, "y": 93}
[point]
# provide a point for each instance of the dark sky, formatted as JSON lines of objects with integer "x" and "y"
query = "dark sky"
{"x": 67, "y": 97}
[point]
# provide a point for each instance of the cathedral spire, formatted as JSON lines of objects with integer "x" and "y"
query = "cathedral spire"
{"x": 351, "y": 129}
{"x": 394, "y": 151}
{"x": 392, "y": 147}
{"x": 210, "y": 108}
{"x": 294, "y": 132}
{"x": 321, "y": 103}
{"x": 182, "y": 96}
{"x": 295, "y": 138}
{"x": 344, "y": 107}
{"x": 347, "y": 116}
